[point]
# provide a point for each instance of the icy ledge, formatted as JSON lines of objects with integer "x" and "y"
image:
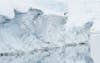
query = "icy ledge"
{"x": 33, "y": 37}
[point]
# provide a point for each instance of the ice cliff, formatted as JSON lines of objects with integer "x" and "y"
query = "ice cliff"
{"x": 34, "y": 37}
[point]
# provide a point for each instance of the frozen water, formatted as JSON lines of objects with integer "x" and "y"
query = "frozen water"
{"x": 33, "y": 37}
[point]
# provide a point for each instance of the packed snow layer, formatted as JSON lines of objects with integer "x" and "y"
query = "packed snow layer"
{"x": 34, "y": 37}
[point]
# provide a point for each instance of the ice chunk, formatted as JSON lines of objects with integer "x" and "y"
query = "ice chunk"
{"x": 33, "y": 37}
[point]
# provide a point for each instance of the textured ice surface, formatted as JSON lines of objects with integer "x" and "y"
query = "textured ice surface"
{"x": 33, "y": 37}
